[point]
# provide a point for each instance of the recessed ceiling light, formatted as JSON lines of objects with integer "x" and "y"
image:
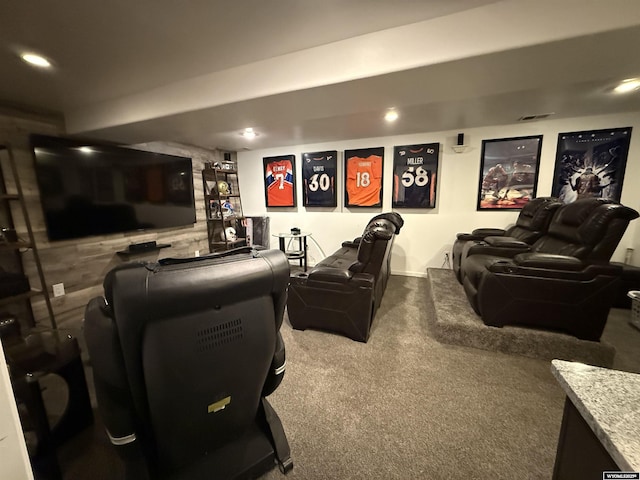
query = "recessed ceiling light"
{"x": 391, "y": 116}
{"x": 627, "y": 86}
{"x": 37, "y": 60}
{"x": 249, "y": 133}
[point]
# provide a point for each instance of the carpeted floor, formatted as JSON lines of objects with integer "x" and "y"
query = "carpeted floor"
{"x": 452, "y": 320}
{"x": 403, "y": 406}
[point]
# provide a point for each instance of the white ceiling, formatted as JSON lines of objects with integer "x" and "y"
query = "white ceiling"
{"x": 304, "y": 71}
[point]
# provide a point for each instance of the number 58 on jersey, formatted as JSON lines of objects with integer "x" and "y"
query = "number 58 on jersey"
{"x": 415, "y": 169}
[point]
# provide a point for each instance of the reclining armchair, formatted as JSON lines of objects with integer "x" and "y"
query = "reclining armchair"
{"x": 342, "y": 293}
{"x": 562, "y": 282}
{"x": 532, "y": 223}
{"x": 184, "y": 352}
{"x": 345, "y": 256}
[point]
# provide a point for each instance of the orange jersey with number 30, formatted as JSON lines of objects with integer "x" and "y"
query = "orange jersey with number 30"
{"x": 364, "y": 180}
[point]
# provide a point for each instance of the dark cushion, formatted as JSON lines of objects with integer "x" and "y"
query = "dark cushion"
{"x": 505, "y": 242}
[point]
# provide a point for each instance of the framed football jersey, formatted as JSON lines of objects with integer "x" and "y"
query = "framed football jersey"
{"x": 415, "y": 168}
{"x": 279, "y": 181}
{"x": 363, "y": 177}
{"x": 319, "y": 178}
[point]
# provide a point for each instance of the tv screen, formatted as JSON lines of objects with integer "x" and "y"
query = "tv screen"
{"x": 88, "y": 189}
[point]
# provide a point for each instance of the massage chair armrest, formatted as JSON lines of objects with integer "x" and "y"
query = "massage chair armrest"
{"x": 111, "y": 382}
{"x": 481, "y": 234}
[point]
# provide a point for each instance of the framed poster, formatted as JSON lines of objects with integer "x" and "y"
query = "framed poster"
{"x": 319, "y": 178}
{"x": 363, "y": 177}
{"x": 279, "y": 181}
{"x": 415, "y": 168}
{"x": 591, "y": 164}
{"x": 508, "y": 172}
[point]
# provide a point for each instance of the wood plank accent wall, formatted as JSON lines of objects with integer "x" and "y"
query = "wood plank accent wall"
{"x": 81, "y": 264}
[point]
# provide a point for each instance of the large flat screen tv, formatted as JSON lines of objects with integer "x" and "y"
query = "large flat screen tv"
{"x": 88, "y": 188}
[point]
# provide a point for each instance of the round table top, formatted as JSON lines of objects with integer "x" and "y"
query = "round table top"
{"x": 292, "y": 235}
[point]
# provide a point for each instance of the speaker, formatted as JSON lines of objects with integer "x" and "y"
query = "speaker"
{"x": 461, "y": 139}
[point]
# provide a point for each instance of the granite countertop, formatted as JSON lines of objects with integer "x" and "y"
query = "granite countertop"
{"x": 609, "y": 401}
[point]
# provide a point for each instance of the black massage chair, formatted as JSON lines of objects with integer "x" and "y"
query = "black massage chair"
{"x": 184, "y": 352}
{"x": 562, "y": 282}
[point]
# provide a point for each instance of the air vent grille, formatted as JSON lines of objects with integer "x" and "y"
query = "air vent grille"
{"x": 223, "y": 334}
{"x": 539, "y": 116}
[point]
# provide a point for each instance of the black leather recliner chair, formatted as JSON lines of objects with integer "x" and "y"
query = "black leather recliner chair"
{"x": 563, "y": 282}
{"x": 184, "y": 353}
{"x": 342, "y": 293}
{"x": 532, "y": 223}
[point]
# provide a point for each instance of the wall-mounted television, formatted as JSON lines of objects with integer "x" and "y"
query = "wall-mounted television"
{"x": 89, "y": 188}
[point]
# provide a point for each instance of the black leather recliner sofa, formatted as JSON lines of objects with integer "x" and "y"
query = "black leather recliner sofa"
{"x": 562, "y": 282}
{"x": 184, "y": 353}
{"x": 532, "y": 223}
{"x": 342, "y": 293}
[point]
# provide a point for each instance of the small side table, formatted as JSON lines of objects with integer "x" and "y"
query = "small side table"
{"x": 301, "y": 252}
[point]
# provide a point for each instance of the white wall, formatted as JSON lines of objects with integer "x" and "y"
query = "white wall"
{"x": 14, "y": 463}
{"x": 428, "y": 234}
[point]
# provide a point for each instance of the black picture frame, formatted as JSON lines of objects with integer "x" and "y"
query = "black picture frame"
{"x": 509, "y": 170}
{"x": 279, "y": 181}
{"x": 591, "y": 163}
{"x": 363, "y": 177}
{"x": 415, "y": 172}
{"x": 319, "y": 178}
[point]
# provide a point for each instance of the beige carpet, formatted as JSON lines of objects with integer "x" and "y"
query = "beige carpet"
{"x": 452, "y": 320}
{"x": 403, "y": 406}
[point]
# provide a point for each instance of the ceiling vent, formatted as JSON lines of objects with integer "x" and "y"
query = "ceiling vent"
{"x": 540, "y": 116}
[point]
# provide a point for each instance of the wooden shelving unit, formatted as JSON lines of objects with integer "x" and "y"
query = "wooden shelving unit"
{"x": 219, "y": 216}
{"x": 13, "y": 250}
